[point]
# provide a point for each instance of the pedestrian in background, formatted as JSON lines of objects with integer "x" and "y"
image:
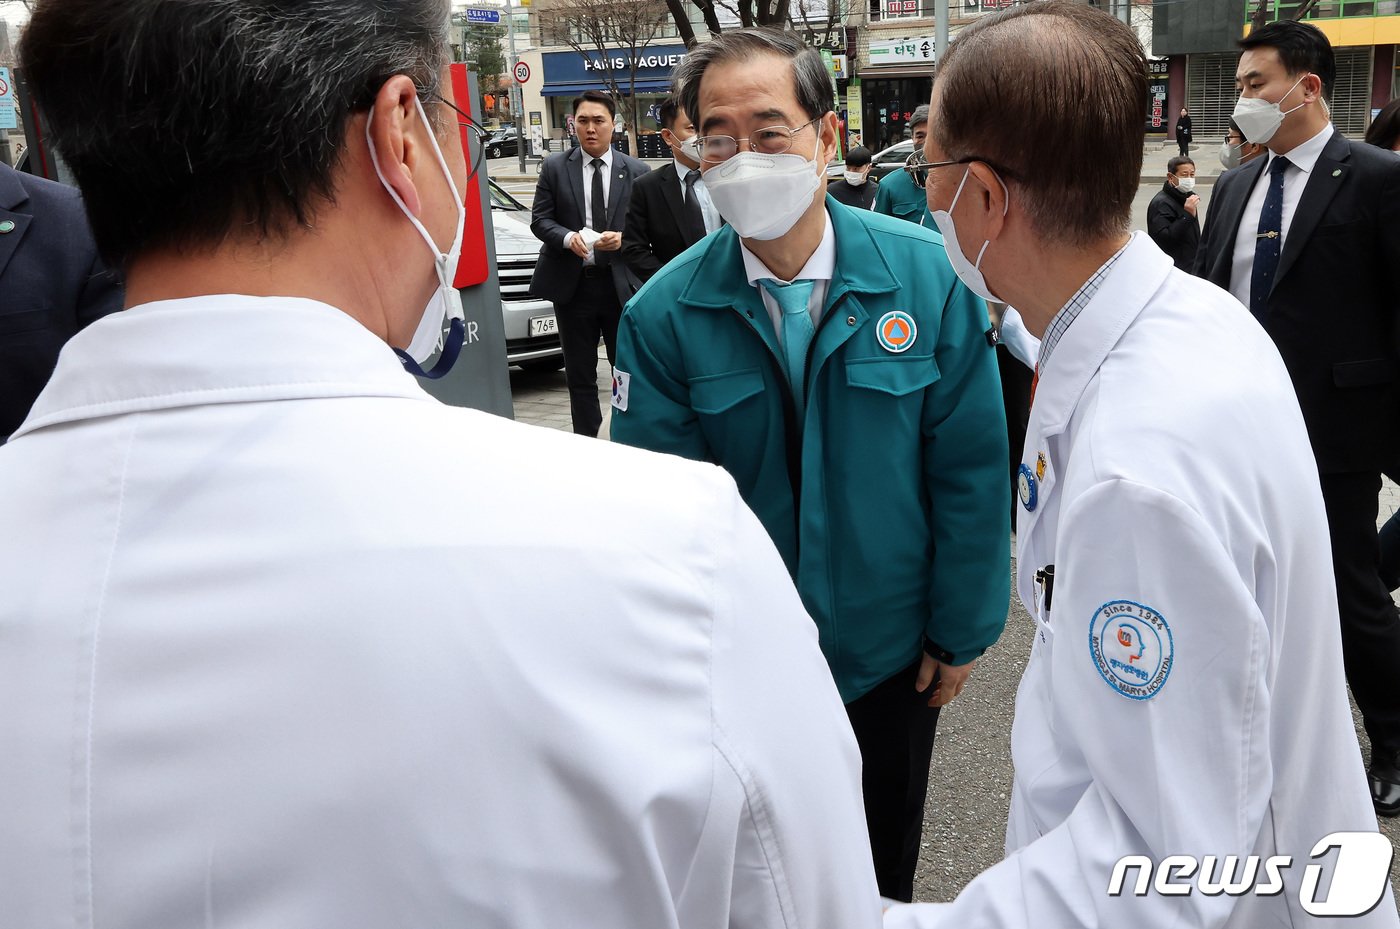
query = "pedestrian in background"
{"x": 828, "y": 358}
{"x": 1317, "y": 225}
{"x": 1183, "y": 133}
{"x": 1384, "y": 131}
{"x": 1172, "y": 220}
{"x": 52, "y": 284}
{"x": 856, "y": 187}
{"x": 579, "y": 212}
{"x": 670, "y": 208}
{"x": 899, "y": 196}
{"x": 286, "y": 642}
{"x": 1184, "y": 693}
{"x": 1236, "y": 150}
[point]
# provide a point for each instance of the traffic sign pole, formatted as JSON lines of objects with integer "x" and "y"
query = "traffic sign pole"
{"x": 517, "y": 91}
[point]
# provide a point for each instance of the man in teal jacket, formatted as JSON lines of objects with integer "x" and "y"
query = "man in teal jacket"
{"x": 830, "y": 360}
{"x": 899, "y": 195}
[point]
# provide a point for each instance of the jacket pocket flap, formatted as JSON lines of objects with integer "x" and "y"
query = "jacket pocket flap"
{"x": 715, "y": 393}
{"x": 894, "y": 375}
{"x": 24, "y": 321}
{"x": 1363, "y": 373}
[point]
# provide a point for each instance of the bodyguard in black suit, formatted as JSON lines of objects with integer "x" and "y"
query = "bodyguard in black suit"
{"x": 1309, "y": 240}
{"x": 587, "y": 286}
{"x": 51, "y": 285}
{"x": 671, "y": 208}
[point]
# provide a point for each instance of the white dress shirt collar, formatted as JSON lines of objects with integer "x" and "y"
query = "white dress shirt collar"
{"x": 1305, "y": 154}
{"x": 820, "y": 267}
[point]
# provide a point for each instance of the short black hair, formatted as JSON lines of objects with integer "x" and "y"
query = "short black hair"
{"x": 858, "y": 157}
{"x": 1302, "y": 49}
{"x": 667, "y": 112}
{"x": 595, "y": 96}
{"x": 1384, "y": 130}
{"x": 1175, "y": 164}
{"x": 188, "y": 123}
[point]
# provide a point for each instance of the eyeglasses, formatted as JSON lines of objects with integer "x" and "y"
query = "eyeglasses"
{"x": 918, "y": 168}
{"x": 475, "y": 133}
{"x": 774, "y": 140}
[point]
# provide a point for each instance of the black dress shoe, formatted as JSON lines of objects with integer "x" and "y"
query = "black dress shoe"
{"x": 1384, "y": 776}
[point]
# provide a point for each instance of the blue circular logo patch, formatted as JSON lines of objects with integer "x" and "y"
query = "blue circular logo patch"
{"x": 1131, "y": 645}
{"x": 1026, "y": 487}
{"x": 896, "y": 331}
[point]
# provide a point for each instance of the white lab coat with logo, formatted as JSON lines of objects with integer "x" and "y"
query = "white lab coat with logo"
{"x": 1178, "y": 477}
{"x": 285, "y": 642}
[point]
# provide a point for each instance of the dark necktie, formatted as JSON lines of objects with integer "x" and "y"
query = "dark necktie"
{"x": 694, "y": 216}
{"x": 600, "y": 207}
{"x": 1269, "y": 242}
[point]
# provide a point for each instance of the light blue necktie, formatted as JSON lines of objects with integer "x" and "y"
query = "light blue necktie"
{"x": 797, "y": 331}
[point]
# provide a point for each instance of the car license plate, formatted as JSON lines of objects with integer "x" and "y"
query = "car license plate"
{"x": 543, "y": 325}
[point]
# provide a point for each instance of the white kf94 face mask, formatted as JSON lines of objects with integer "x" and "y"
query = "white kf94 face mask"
{"x": 446, "y": 302}
{"x": 1259, "y": 119}
{"x": 763, "y": 196}
{"x": 969, "y": 272}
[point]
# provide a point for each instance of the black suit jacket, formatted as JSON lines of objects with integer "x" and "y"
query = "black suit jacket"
{"x": 657, "y": 230}
{"x": 559, "y": 209}
{"x": 1335, "y": 302}
{"x": 1175, "y": 230}
{"x": 51, "y": 285}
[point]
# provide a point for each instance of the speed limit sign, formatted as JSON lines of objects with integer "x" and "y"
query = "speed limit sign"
{"x": 522, "y": 72}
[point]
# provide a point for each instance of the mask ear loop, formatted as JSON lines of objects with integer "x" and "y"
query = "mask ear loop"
{"x": 452, "y": 346}
{"x": 1005, "y": 208}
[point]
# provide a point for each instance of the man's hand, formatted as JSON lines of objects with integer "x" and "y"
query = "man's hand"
{"x": 577, "y": 247}
{"x": 1192, "y": 202}
{"x": 610, "y": 242}
{"x": 951, "y": 679}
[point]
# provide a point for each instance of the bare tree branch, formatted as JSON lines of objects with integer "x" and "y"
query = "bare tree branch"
{"x": 613, "y": 29}
{"x": 681, "y": 18}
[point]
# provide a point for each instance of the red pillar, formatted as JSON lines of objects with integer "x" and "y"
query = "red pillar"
{"x": 1176, "y": 92}
{"x": 1382, "y": 75}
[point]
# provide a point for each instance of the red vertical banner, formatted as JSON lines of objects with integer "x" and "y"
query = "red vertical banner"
{"x": 472, "y": 269}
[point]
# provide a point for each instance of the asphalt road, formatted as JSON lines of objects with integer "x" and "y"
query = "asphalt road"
{"x": 970, "y": 780}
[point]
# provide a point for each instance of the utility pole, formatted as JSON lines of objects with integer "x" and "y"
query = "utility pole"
{"x": 517, "y": 92}
{"x": 940, "y": 31}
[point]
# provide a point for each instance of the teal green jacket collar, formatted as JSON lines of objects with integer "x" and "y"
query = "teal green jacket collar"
{"x": 720, "y": 282}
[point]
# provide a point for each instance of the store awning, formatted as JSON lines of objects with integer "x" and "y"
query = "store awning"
{"x": 896, "y": 71}
{"x": 574, "y": 88}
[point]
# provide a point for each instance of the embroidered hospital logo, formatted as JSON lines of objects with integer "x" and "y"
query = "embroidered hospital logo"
{"x": 1132, "y": 647}
{"x": 896, "y": 331}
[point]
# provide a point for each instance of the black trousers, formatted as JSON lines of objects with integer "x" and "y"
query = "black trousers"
{"x": 593, "y": 312}
{"x": 1370, "y": 623}
{"x": 894, "y": 727}
{"x": 1016, "y": 400}
{"x": 1184, "y": 145}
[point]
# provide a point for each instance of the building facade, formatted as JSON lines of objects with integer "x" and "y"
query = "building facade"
{"x": 1199, "y": 39}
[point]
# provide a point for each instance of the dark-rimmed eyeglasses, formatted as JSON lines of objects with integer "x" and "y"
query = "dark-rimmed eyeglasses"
{"x": 918, "y": 168}
{"x": 476, "y": 134}
{"x": 771, "y": 140}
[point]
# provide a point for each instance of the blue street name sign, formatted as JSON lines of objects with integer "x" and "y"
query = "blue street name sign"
{"x": 480, "y": 15}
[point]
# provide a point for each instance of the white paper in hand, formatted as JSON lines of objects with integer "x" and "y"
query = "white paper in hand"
{"x": 590, "y": 238}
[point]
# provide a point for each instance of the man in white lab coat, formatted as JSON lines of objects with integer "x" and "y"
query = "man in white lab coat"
{"x": 284, "y": 642}
{"x": 1185, "y": 694}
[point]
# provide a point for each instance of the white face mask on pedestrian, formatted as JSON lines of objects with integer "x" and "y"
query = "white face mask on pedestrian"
{"x": 1259, "y": 119}
{"x": 446, "y": 302}
{"x": 1230, "y": 155}
{"x": 1186, "y": 184}
{"x": 855, "y": 178}
{"x": 763, "y": 196}
{"x": 969, "y": 272}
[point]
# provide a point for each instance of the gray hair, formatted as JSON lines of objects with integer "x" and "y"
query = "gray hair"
{"x": 189, "y": 122}
{"x": 810, "y": 79}
{"x": 920, "y": 116}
